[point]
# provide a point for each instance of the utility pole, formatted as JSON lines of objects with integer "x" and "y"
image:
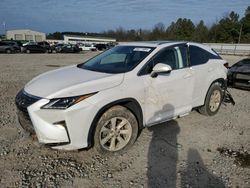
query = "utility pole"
{"x": 240, "y": 33}
{"x": 4, "y": 28}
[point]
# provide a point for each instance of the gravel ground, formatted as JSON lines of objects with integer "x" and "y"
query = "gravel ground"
{"x": 193, "y": 151}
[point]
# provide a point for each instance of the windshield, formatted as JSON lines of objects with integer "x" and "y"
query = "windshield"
{"x": 242, "y": 62}
{"x": 119, "y": 59}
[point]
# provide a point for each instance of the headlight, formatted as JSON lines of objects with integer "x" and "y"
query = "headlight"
{"x": 64, "y": 103}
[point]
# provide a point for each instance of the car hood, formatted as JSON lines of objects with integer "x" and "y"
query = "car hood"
{"x": 71, "y": 81}
{"x": 240, "y": 69}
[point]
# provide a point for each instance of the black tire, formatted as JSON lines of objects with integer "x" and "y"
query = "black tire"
{"x": 8, "y": 51}
{"x": 119, "y": 113}
{"x": 208, "y": 109}
{"x": 28, "y": 51}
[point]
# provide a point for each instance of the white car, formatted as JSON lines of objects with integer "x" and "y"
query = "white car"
{"x": 87, "y": 47}
{"x": 107, "y": 100}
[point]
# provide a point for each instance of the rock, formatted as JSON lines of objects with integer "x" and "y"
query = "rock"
{"x": 110, "y": 175}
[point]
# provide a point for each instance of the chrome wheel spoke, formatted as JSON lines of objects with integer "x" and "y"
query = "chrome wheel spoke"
{"x": 124, "y": 132}
{"x": 121, "y": 124}
{"x": 112, "y": 143}
{"x": 105, "y": 129}
{"x": 113, "y": 123}
{"x": 106, "y": 139}
{"x": 120, "y": 139}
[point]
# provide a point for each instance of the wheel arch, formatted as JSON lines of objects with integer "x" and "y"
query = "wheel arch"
{"x": 223, "y": 83}
{"x": 130, "y": 103}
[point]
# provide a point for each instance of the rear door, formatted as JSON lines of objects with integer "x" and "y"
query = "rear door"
{"x": 202, "y": 63}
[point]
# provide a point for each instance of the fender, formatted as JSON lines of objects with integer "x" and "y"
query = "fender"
{"x": 223, "y": 83}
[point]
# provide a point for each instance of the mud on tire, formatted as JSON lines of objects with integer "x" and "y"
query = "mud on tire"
{"x": 116, "y": 130}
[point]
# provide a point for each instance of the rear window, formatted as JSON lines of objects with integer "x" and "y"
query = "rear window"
{"x": 199, "y": 56}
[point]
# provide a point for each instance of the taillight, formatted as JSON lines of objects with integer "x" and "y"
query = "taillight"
{"x": 226, "y": 65}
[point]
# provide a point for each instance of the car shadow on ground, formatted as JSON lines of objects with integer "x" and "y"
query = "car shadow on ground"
{"x": 163, "y": 158}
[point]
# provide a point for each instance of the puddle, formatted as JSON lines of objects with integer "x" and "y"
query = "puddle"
{"x": 53, "y": 65}
{"x": 241, "y": 158}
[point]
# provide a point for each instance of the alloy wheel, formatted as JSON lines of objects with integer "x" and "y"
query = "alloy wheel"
{"x": 115, "y": 134}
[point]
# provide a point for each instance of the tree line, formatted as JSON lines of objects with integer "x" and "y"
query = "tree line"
{"x": 229, "y": 29}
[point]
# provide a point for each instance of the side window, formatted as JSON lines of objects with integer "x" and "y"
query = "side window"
{"x": 176, "y": 57}
{"x": 200, "y": 56}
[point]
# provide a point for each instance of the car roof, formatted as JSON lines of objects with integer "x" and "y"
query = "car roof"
{"x": 155, "y": 44}
{"x": 152, "y": 43}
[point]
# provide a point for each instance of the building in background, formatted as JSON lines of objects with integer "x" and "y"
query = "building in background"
{"x": 54, "y": 41}
{"x": 73, "y": 39}
{"x": 25, "y": 34}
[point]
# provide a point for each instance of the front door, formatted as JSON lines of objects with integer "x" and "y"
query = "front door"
{"x": 168, "y": 95}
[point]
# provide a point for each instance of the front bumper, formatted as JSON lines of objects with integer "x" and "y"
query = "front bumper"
{"x": 25, "y": 121}
{"x": 60, "y": 129}
{"x": 240, "y": 80}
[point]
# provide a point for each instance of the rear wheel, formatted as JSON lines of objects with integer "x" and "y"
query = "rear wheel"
{"x": 213, "y": 100}
{"x": 116, "y": 130}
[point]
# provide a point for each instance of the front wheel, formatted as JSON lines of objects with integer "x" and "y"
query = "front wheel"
{"x": 8, "y": 51}
{"x": 116, "y": 130}
{"x": 213, "y": 101}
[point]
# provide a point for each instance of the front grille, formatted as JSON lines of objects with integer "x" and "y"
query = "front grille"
{"x": 24, "y": 100}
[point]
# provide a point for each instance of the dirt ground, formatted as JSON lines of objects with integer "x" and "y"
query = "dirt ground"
{"x": 192, "y": 151}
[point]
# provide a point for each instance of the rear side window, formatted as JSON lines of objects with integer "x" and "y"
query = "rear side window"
{"x": 199, "y": 56}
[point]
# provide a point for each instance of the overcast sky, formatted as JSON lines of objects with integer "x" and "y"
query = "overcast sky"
{"x": 100, "y": 15}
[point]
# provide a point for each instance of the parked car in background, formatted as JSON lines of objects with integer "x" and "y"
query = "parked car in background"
{"x": 58, "y": 47}
{"x": 101, "y": 47}
{"x": 46, "y": 45}
{"x": 87, "y": 47}
{"x": 17, "y": 45}
{"x": 239, "y": 74}
{"x": 108, "y": 99}
{"x": 34, "y": 48}
{"x": 6, "y": 48}
{"x": 70, "y": 48}
{"x": 29, "y": 43}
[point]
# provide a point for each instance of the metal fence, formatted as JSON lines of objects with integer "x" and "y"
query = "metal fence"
{"x": 230, "y": 49}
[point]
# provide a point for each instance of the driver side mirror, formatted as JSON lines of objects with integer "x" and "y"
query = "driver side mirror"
{"x": 160, "y": 68}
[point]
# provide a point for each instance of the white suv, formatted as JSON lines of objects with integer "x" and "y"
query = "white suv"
{"x": 87, "y": 47}
{"x": 108, "y": 99}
